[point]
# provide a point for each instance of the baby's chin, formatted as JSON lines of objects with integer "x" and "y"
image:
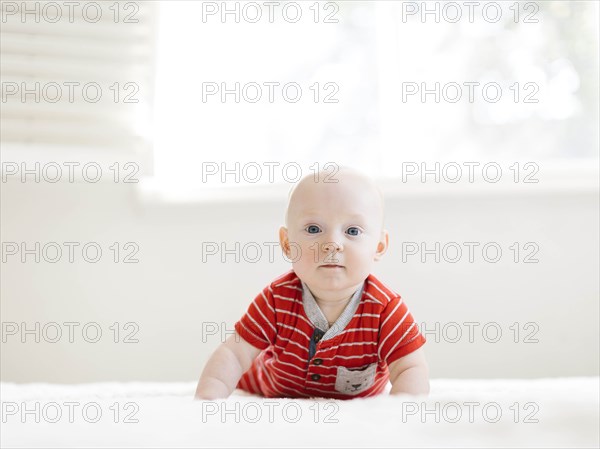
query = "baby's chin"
{"x": 330, "y": 279}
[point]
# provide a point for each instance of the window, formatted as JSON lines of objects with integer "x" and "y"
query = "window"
{"x": 533, "y": 72}
{"x": 77, "y": 81}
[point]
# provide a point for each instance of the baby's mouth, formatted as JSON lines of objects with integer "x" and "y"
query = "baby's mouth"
{"x": 330, "y": 265}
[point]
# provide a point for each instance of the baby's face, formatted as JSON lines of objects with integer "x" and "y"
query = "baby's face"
{"x": 337, "y": 227}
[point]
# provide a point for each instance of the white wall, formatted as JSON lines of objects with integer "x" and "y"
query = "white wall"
{"x": 170, "y": 292}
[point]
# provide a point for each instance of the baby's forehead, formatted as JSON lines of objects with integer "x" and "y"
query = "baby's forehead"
{"x": 345, "y": 180}
{"x": 314, "y": 192}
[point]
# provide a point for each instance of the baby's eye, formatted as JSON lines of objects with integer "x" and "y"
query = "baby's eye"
{"x": 313, "y": 229}
{"x": 353, "y": 230}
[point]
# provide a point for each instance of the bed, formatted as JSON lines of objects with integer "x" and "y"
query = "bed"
{"x": 553, "y": 412}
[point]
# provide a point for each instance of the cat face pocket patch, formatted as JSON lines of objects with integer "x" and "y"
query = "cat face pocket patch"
{"x": 355, "y": 381}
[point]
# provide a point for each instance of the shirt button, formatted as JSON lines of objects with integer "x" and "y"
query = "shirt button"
{"x": 315, "y": 377}
{"x": 317, "y": 361}
{"x": 317, "y": 338}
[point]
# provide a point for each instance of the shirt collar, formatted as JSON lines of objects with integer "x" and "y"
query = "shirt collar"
{"x": 314, "y": 313}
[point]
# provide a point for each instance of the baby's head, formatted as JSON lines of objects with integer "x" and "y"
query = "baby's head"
{"x": 333, "y": 231}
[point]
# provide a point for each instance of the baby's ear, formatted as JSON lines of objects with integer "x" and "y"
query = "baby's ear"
{"x": 383, "y": 244}
{"x": 284, "y": 242}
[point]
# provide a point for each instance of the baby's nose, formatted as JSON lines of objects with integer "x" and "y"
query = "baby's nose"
{"x": 331, "y": 247}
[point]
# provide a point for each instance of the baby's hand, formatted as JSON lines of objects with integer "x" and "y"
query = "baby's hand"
{"x": 225, "y": 367}
{"x": 410, "y": 374}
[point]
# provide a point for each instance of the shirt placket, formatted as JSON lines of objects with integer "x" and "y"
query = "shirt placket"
{"x": 316, "y": 337}
{"x": 320, "y": 322}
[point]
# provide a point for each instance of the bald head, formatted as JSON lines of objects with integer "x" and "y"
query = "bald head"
{"x": 334, "y": 189}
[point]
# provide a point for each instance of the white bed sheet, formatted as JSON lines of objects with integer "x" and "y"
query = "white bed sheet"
{"x": 566, "y": 411}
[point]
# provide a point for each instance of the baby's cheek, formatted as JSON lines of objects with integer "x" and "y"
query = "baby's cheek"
{"x": 295, "y": 250}
{"x": 300, "y": 256}
{"x": 308, "y": 253}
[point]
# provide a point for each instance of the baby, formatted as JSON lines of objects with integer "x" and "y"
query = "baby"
{"x": 328, "y": 327}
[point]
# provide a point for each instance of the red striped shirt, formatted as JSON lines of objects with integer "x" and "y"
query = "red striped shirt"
{"x": 352, "y": 364}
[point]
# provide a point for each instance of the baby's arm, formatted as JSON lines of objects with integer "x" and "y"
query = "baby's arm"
{"x": 225, "y": 368}
{"x": 410, "y": 374}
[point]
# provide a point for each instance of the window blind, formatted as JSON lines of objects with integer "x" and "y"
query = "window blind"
{"x": 77, "y": 76}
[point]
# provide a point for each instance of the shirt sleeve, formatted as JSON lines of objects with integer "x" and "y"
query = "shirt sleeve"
{"x": 257, "y": 325}
{"x": 399, "y": 335}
